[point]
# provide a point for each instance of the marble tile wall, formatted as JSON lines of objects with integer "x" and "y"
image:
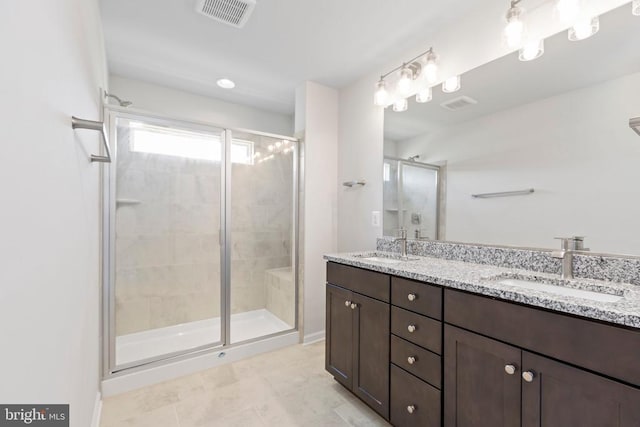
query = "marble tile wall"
{"x": 281, "y": 293}
{"x": 167, "y": 236}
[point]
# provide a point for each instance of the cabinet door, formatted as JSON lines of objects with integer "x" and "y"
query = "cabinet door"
{"x": 559, "y": 395}
{"x": 478, "y": 390}
{"x": 339, "y": 342}
{"x": 371, "y": 352}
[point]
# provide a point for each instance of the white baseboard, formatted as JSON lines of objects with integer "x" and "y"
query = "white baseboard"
{"x": 130, "y": 381}
{"x": 97, "y": 411}
{"x": 313, "y": 338}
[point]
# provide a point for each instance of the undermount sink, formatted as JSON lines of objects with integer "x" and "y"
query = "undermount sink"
{"x": 538, "y": 284}
{"x": 385, "y": 258}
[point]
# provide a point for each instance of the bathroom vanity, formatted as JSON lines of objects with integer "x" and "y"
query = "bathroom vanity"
{"x": 431, "y": 342}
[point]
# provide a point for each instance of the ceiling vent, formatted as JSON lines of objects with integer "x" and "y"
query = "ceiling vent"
{"x": 232, "y": 12}
{"x": 458, "y": 103}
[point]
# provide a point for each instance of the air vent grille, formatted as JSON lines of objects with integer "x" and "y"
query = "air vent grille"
{"x": 232, "y": 12}
{"x": 458, "y": 103}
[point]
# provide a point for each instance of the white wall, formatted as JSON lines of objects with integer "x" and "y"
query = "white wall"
{"x": 317, "y": 123}
{"x": 53, "y": 65}
{"x": 575, "y": 149}
{"x": 474, "y": 40}
{"x": 180, "y": 104}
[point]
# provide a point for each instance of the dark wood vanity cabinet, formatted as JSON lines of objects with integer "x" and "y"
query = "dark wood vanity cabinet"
{"x": 357, "y": 349}
{"x": 490, "y": 383}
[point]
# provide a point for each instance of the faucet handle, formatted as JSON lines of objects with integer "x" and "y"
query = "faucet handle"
{"x": 403, "y": 232}
{"x": 565, "y": 242}
{"x": 573, "y": 243}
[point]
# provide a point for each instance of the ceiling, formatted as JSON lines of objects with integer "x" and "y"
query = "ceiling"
{"x": 507, "y": 83}
{"x": 285, "y": 42}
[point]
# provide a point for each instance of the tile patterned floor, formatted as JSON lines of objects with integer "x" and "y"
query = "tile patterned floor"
{"x": 284, "y": 388}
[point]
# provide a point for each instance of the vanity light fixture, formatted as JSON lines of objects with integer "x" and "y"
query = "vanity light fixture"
{"x": 568, "y": 10}
{"x": 381, "y": 97}
{"x": 400, "y": 105}
{"x": 226, "y": 84}
{"x": 452, "y": 84}
{"x": 635, "y": 7}
{"x": 532, "y": 49}
{"x": 514, "y": 31}
{"x": 431, "y": 66}
{"x": 584, "y": 28}
{"x": 407, "y": 76}
{"x": 424, "y": 95}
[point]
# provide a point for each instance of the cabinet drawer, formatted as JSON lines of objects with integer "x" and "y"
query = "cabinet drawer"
{"x": 423, "y": 363}
{"x": 426, "y": 333}
{"x": 607, "y": 349}
{"x": 365, "y": 282}
{"x": 407, "y": 392}
{"x": 417, "y": 296}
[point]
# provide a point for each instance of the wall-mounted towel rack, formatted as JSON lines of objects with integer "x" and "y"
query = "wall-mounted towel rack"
{"x": 77, "y": 123}
{"x": 503, "y": 194}
{"x": 353, "y": 183}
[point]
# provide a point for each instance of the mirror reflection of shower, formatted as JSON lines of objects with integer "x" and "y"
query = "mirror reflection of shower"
{"x": 411, "y": 198}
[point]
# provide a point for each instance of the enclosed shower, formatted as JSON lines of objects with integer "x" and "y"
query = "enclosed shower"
{"x": 200, "y": 238}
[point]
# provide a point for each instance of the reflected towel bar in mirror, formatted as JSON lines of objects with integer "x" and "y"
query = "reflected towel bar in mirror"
{"x": 353, "y": 183}
{"x": 503, "y": 194}
{"x": 77, "y": 123}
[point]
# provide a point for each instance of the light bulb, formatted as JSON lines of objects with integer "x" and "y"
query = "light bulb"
{"x": 452, "y": 84}
{"x": 635, "y": 7}
{"x": 424, "y": 95}
{"x": 584, "y": 28}
{"x": 404, "y": 83}
{"x": 514, "y": 30}
{"x": 400, "y": 105}
{"x": 531, "y": 50}
{"x": 431, "y": 67}
{"x": 278, "y": 144}
{"x": 270, "y": 147}
{"x": 381, "y": 97}
{"x": 568, "y": 10}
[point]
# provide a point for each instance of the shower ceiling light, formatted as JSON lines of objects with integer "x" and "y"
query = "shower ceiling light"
{"x": 514, "y": 31}
{"x": 635, "y": 7}
{"x": 584, "y": 28}
{"x": 381, "y": 96}
{"x": 531, "y": 50}
{"x": 568, "y": 10}
{"x": 400, "y": 105}
{"x": 226, "y": 83}
{"x": 424, "y": 95}
{"x": 452, "y": 84}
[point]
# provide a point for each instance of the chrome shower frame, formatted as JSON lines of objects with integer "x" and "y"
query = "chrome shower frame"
{"x": 108, "y": 177}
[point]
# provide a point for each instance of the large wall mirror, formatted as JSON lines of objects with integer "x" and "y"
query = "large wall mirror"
{"x": 557, "y": 125}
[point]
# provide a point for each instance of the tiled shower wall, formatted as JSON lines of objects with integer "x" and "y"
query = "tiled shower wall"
{"x": 167, "y": 236}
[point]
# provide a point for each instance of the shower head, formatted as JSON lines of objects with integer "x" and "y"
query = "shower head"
{"x": 413, "y": 158}
{"x": 121, "y": 102}
{"x": 635, "y": 124}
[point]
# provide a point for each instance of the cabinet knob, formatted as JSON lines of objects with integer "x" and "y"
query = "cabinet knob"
{"x": 510, "y": 369}
{"x": 528, "y": 376}
{"x": 353, "y": 306}
{"x": 411, "y": 409}
{"x": 411, "y": 360}
{"x": 411, "y": 328}
{"x": 411, "y": 297}
{"x": 347, "y": 303}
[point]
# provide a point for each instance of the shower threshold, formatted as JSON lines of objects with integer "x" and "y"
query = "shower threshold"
{"x": 156, "y": 342}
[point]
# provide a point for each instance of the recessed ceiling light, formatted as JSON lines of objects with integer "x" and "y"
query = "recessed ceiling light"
{"x": 226, "y": 83}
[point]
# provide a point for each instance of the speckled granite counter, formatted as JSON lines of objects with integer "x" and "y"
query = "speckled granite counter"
{"x": 483, "y": 279}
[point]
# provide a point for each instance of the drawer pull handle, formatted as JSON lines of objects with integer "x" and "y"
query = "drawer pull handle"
{"x": 411, "y": 328}
{"x": 411, "y": 297}
{"x": 354, "y": 306}
{"x": 510, "y": 369}
{"x": 347, "y": 303}
{"x": 411, "y": 360}
{"x": 528, "y": 376}
{"x": 411, "y": 409}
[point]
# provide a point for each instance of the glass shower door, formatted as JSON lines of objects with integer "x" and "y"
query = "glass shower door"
{"x": 167, "y": 293}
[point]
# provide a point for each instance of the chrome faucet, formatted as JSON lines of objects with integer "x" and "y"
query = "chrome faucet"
{"x": 569, "y": 245}
{"x": 403, "y": 242}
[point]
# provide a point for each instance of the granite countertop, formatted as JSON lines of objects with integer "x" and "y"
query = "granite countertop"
{"x": 483, "y": 279}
